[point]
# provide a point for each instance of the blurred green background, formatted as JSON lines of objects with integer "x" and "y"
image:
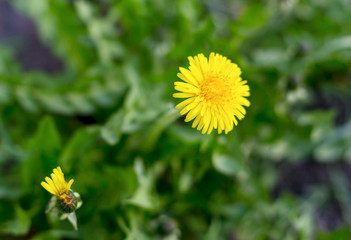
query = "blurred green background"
{"x": 87, "y": 85}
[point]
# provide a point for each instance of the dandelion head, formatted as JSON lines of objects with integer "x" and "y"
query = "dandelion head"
{"x": 214, "y": 93}
{"x": 57, "y": 185}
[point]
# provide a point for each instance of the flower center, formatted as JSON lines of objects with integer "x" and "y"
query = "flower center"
{"x": 69, "y": 199}
{"x": 215, "y": 90}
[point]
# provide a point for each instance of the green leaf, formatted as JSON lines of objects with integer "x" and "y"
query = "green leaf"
{"x": 55, "y": 103}
{"x": 112, "y": 130}
{"x": 44, "y": 150}
{"x": 143, "y": 196}
{"x": 27, "y": 100}
{"x": 155, "y": 132}
{"x": 214, "y": 230}
{"x": 338, "y": 234}
{"x": 80, "y": 103}
{"x": 56, "y": 234}
{"x": 333, "y": 46}
{"x": 5, "y": 93}
{"x": 19, "y": 225}
{"x": 79, "y": 143}
{"x": 328, "y": 152}
{"x": 136, "y": 232}
{"x": 226, "y": 164}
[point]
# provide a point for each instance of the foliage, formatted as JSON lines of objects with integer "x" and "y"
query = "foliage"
{"x": 108, "y": 120}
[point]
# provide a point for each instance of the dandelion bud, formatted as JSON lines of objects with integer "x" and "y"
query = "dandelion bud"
{"x": 68, "y": 204}
{"x": 64, "y": 200}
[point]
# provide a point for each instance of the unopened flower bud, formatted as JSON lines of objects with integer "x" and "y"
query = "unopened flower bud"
{"x": 68, "y": 204}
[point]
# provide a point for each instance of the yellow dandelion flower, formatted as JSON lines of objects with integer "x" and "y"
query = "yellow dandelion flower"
{"x": 214, "y": 91}
{"x": 57, "y": 185}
